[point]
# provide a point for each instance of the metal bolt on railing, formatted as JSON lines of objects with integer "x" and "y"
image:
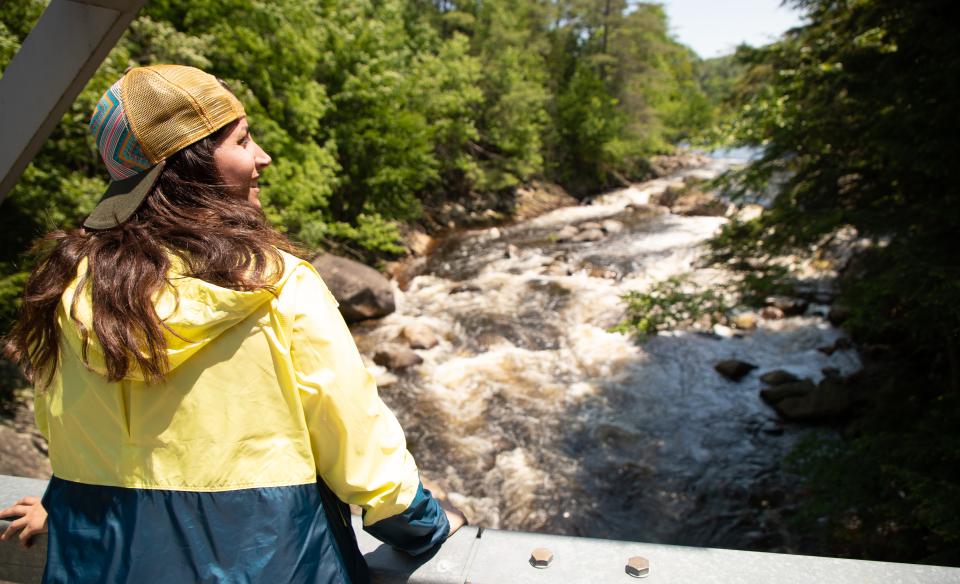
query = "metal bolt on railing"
{"x": 541, "y": 558}
{"x": 638, "y": 567}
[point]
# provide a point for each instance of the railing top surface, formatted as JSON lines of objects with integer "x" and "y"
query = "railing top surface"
{"x": 483, "y": 556}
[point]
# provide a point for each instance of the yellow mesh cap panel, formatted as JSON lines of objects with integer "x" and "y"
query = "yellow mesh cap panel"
{"x": 172, "y": 106}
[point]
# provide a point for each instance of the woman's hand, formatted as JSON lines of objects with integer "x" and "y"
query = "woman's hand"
{"x": 455, "y": 516}
{"x": 28, "y": 517}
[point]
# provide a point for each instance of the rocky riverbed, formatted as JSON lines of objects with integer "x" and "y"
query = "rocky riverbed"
{"x": 531, "y": 415}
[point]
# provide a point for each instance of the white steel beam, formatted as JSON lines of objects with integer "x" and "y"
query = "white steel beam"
{"x": 53, "y": 65}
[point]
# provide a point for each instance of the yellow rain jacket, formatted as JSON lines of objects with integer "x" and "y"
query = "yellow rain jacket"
{"x": 216, "y": 470}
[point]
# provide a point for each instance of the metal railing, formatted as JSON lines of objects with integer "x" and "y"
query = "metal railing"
{"x": 491, "y": 556}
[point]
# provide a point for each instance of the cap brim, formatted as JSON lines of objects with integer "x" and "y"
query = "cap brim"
{"x": 122, "y": 199}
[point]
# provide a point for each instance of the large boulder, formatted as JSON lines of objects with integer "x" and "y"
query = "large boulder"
{"x": 362, "y": 292}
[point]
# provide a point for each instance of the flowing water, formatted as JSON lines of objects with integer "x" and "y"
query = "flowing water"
{"x": 533, "y": 417}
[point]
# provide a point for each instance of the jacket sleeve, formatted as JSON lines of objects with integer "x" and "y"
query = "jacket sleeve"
{"x": 358, "y": 444}
{"x": 40, "y": 412}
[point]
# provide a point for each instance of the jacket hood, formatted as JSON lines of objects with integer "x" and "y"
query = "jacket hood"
{"x": 194, "y": 311}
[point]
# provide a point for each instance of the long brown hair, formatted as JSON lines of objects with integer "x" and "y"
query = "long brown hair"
{"x": 188, "y": 214}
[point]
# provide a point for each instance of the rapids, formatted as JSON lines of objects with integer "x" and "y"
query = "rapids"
{"x": 533, "y": 417}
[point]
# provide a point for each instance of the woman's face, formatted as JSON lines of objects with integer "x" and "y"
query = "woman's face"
{"x": 239, "y": 160}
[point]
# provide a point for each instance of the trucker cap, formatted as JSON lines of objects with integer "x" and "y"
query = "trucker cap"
{"x": 149, "y": 114}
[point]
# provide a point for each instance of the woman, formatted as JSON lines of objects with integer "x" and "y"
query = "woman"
{"x": 207, "y": 412}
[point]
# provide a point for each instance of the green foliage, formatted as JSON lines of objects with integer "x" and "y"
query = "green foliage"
{"x": 372, "y": 233}
{"x": 856, "y": 114}
{"x": 722, "y": 80}
{"x": 891, "y": 492}
{"x": 671, "y": 304}
{"x": 623, "y": 90}
{"x": 589, "y": 126}
{"x": 370, "y": 107}
{"x": 657, "y": 80}
{"x": 509, "y": 42}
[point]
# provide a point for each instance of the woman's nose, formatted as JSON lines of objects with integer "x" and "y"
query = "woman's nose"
{"x": 262, "y": 159}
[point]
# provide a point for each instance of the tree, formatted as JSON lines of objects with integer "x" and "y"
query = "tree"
{"x": 857, "y": 110}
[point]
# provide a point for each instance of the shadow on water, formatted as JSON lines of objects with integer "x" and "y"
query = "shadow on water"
{"x": 534, "y": 417}
{"x": 667, "y": 451}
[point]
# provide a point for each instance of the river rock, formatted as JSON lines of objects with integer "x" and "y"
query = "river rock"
{"x": 877, "y": 352}
{"x": 789, "y": 306}
{"x": 668, "y": 197}
{"x": 491, "y": 216}
{"x": 362, "y": 292}
{"x": 745, "y": 321}
{"x": 557, "y": 269}
{"x": 832, "y": 373}
{"x": 651, "y": 209}
{"x": 590, "y": 225}
{"x": 699, "y": 203}
{"x": 419, "y": 242}
{"x": 841, "y": 344}
{"x": 830, "y": 400}
{"x": 734, "y": 369}
{"x": 419, "y": 336}
{"x": 397, "y": 358}
{"x": 838, "y": 315}
{"x": 588, "y": 235}
{"x": 595, "y": 271}
{"x": 464, "y": 288}
{"x": 771, "y": 313}
{"x": 567, "y": 233}
{"x": 22, "y": 454}
{"x": 386, "y": 379}
{"x": 665, "y": 164}
{"x": 723, "y": 332}
{"x": 778, "y": 377}
{"x": 748, "y": 212}
{"x": 538, "y": 198}
{"x": 775, "y": 395}
{"x": 611, "y": 226}
{"x": 772, "y": 429}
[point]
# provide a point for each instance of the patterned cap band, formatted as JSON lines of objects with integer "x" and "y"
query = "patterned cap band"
{"x": 117, "y": 145}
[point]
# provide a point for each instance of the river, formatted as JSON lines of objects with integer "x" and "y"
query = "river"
{"x": 532, "y": 416}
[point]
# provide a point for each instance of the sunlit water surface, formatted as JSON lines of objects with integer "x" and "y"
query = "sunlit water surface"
{"x": 534, "y": 417}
